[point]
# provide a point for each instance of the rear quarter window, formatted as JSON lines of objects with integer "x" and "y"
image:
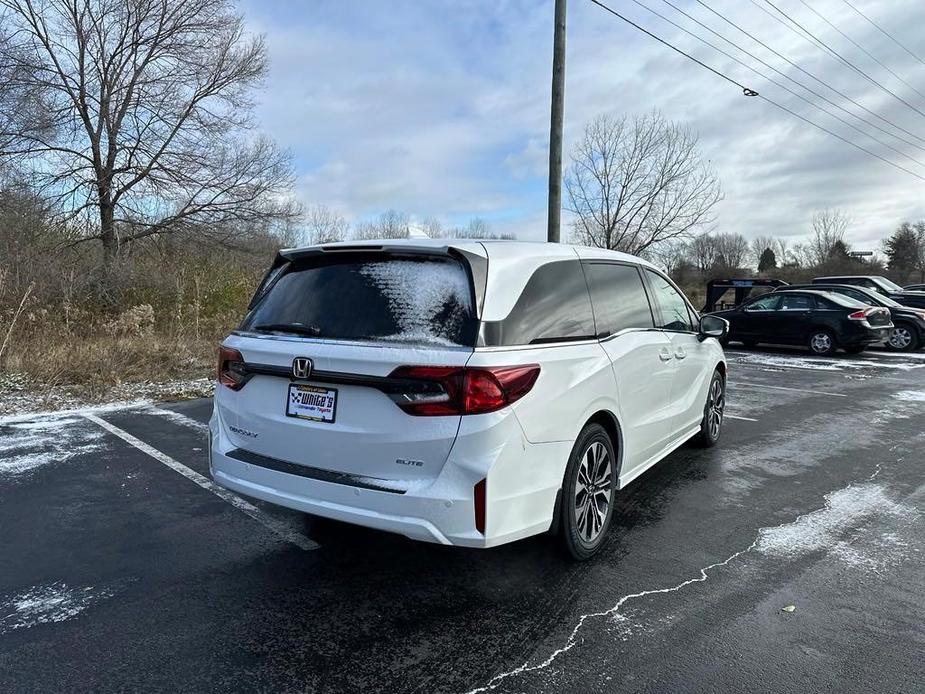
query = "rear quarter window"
{"x": 402, "y": 299}
{"x": 554, "y": 306}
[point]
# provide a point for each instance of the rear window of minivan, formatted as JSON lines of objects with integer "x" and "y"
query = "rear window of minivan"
{"x": 414, "y": 299}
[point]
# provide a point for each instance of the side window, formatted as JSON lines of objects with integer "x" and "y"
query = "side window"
{"x": 765, "y": 303}
{"x": 796, "y": 302}
{"x": 553, "y": 307}
{"x": 674, "y": 313}
{"x": 824, "y": 304}
{"x": 619, "y": 298}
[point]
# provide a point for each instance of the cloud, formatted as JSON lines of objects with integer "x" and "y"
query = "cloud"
{"x": 441, "y": 108}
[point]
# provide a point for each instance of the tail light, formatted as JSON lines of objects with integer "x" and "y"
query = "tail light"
{"x": 232, "y": 371}
{"x": 861, "y": 315}
{"x": 431, "y": 391}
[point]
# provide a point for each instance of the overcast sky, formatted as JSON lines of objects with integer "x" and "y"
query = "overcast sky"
{"x": 441, "y": 107}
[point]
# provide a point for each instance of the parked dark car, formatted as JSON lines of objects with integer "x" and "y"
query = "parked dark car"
{"x": 915, "y": 287}
{"x": 908, "y": 333}
{"x": 878, "y": 284}
{"x": 823, "y": 321}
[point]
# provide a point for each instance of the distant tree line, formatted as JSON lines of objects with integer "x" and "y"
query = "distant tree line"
{"x": 321, "y": 224}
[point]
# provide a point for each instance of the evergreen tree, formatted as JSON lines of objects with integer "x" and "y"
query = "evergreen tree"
{"x": 768, "y": 260}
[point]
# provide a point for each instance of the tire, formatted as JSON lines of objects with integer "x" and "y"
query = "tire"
{"x": 903, "y": 338}
{"x": 855, "y": 349}
{"x": 822, "y": 342}
{"x": 711, "y": 426}
{"x": 583, "y": 530}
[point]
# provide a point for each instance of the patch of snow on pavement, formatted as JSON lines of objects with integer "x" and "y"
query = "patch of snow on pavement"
{"x": 27, "y": 446}
{"x": 829, "y": 528}
{"x": 46, "y": 604}
{"x": 910, "y": 395}
{"x": 819, "y": 363}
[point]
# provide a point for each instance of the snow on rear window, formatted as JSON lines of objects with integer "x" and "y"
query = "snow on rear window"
{"x": 418, "y": 295}
{"x": 370, "y": 296}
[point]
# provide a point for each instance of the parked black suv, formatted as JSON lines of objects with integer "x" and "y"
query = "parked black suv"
{"x": 823, "y": 321}
{"x": 878, "y": 284}
{"x": 908, "y": 333}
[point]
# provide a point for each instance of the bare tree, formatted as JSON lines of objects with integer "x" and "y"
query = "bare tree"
{"x": 670, "y": 255}
{"x": 150, "y": 103}
{"x": 636, "y": 183}
{"x": 731, "y": 250}
{"x": 702, "y": 252}
{"x": 390, "y": 225}
{"x": 433, "y": 228}
{"x": 829, "y": 228}
{"x": 478, "y": 228}
{"x": 322, "y": 225}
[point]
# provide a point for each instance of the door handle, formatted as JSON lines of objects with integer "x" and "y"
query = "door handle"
{"x": 664, "y": 355}
{"x": 680, "y": 353}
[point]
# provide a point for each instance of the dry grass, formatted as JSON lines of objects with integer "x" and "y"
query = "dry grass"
{"x": 53, "y": 363}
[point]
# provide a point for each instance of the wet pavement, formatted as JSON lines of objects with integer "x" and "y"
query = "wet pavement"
{"x": 119, "y": 574}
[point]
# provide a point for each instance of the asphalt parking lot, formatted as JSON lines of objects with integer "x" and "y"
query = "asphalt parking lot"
{"x": 121, "y": 570}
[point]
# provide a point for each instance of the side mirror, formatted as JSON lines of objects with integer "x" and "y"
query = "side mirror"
{"x": 713, "y": 326}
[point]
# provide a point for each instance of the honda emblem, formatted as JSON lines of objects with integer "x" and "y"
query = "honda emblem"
{"x": 301, "y": 367}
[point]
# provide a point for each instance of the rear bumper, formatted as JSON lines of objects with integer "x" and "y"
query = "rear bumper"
{"x": 440, "y": 511}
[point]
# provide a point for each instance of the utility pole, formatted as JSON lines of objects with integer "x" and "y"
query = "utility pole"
{"x": 555, "y": 124}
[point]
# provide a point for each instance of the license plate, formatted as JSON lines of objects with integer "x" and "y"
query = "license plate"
{"x": 312, "y": 403}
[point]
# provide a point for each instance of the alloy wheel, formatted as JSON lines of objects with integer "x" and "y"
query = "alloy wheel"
{"x": 900, "y": 338}
{"x": 821, "y": 343}
{"x": 593, "y": 491}
{"x": 716, "y": 403}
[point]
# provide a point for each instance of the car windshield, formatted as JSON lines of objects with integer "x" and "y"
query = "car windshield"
{"x": 404, "y": 299}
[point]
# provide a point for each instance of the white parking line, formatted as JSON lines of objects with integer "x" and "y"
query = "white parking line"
{"x": 177, "y": 418}
{"x": 273, "y": 525}
{"x": 746, "y": 384}
{"x": 735, "y": 416}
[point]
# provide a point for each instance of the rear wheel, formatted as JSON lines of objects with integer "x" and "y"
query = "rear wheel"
{"x": 903, "y": 338}
{"x": 822, "y": 342}
{"x": 712, "y": 423}
{"x": 588, "y": 492}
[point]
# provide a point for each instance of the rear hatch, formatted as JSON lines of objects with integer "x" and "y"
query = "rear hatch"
{"x": 320, "y": 346}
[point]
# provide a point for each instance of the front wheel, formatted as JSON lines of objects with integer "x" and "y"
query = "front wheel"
{"x": 588, "y": 492}
{"x": 712, "y": 423}
{"x": 902, "y": 338}
{"x": 822, "y": 343}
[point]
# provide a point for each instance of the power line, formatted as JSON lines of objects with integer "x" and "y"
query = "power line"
{"x": 745, "y": 90}
{"x": 860, "y": 47}
{"x": 749, "y": 92}
{"x": 844, "y": 60}
{"x": 785, "y": 76}
{"x": 810, "y": 74}
{"x": 883, "y": 31}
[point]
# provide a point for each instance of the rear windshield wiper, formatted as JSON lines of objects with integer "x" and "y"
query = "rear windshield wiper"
{"x": 294, "y": 328}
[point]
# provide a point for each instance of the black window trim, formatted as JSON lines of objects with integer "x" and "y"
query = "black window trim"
{"x": 693, "y": 314}
{"x": 603, "y": 336}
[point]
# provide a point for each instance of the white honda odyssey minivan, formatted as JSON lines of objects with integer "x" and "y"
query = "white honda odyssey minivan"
{"x": 462, "y": 392}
